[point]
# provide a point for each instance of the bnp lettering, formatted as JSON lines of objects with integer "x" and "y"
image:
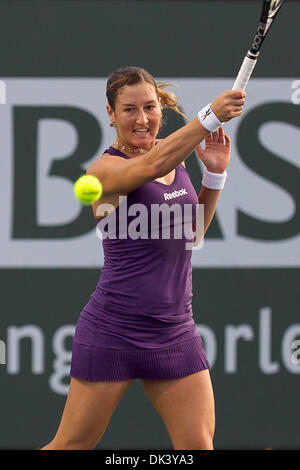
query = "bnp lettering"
{"x": 2, "y": 352}
{"x": 2, "y": 92}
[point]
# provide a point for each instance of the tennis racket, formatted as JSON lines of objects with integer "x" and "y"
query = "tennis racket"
{"x": 269, "y": 12}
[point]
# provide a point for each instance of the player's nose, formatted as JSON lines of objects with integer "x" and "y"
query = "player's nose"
{"x": 142, "y": 118}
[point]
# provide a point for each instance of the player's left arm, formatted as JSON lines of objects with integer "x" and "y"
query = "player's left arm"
{"x": 208, "y": 197}
{"x": 215, "y": 156}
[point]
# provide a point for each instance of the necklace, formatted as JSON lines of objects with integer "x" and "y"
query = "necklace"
{"x": 128, "y": 149}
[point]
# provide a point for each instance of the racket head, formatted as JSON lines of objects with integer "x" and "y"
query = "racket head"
{"x": 270, "y": 9}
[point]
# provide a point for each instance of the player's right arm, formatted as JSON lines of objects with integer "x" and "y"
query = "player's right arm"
{"x": 120, "y": 176}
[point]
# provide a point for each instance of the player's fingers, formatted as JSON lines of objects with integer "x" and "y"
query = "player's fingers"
{"x": 215, "y": 136}
{"x": 236, "y": 113}
{"x": 208, "y": 138}
{"x": 240, "y": 102}
{"x": 221, "y": 135}
{"x": 236, "y": 94}
{"x": 227, "y": 141}
{"x": 236, "y": 109}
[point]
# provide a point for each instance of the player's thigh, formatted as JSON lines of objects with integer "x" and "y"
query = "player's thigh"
{"x": 88, "y": 409}
{"x": 187, "y": 408}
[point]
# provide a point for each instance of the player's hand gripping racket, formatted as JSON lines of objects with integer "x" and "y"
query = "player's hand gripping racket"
{"x": 269, "y": 11}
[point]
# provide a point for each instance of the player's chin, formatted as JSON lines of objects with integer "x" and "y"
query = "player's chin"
{"x": 141, "y": 140}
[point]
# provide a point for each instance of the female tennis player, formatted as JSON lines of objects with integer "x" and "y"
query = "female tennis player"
{"x": 138, "y": 323}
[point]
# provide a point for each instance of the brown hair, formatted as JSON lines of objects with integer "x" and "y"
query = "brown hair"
{"x": 131, "y": 76}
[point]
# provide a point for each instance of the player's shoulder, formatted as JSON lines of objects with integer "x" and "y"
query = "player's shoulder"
{"x": 105, "y": 164}
{"x": 110, "y": 157}
{"x": 107, "y": 159}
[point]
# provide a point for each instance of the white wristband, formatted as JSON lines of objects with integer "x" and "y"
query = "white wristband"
{"x": 208, "y": 119}
{"x": 214, "y": 180}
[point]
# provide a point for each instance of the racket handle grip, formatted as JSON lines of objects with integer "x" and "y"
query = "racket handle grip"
{"x": 244, "y": 74}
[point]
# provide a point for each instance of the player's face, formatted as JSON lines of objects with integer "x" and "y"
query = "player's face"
{"x": 137, "y": 115}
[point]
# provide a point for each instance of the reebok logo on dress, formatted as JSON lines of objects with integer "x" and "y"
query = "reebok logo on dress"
{"x": 174, "y": 194}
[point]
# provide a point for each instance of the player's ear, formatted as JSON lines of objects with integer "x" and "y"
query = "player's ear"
{"x": 110, "y": 113}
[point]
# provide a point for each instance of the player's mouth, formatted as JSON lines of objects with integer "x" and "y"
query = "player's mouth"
{"x": 143, "y": 131}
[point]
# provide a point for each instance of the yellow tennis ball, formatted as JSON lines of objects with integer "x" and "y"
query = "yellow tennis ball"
{"x": 88, "y": 189}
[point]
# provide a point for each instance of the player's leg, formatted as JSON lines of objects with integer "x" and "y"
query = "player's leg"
{"x": 88, "y": 409}
{"x": 186, "y": 406}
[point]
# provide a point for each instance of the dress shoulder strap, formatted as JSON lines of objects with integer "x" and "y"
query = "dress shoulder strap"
{"x": 112, "y": 151}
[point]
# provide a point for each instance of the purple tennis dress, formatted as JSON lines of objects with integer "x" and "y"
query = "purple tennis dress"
{"x": 138, "y": 323}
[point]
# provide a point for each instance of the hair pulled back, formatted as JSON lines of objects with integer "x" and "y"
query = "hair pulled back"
{"x": 133, "y": 75}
